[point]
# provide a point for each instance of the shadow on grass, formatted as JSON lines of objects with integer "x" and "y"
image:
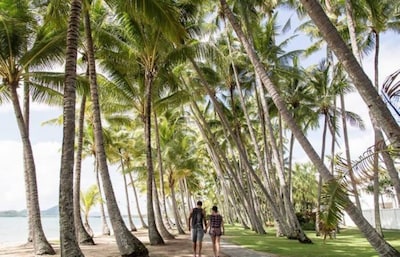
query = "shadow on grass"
{"x": 348, "y": 243}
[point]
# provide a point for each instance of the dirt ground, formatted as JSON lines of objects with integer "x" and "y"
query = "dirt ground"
{"x": 107, "y": 247}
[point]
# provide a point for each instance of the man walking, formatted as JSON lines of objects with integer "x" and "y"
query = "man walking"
{"x": 197, "y": 224}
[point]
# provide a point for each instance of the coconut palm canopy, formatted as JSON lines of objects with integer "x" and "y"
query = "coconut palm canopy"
{"x": 193, "y": 100}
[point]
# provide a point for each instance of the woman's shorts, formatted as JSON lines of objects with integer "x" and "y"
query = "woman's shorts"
{"x": 215, "y": 232}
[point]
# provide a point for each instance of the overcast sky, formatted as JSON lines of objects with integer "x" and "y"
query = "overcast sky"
{"x": 46, "y": 143}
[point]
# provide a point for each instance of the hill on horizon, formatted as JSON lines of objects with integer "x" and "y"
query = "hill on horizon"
{"x": 52, "y": 211}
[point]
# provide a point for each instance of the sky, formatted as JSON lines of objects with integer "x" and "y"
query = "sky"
{"x": 46, "y": 142}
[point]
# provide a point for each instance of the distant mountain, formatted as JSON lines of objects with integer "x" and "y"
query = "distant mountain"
{"x": 13, "y": 213}
{"x": 53, "y": 211}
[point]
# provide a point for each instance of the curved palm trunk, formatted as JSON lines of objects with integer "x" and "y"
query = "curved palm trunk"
{"x": 105, "y": 230}
{"x": 128, "y": 206}
{"x": 222, "y": 159}
{"x": 154, "y": 234}
{"x": 83, "y": 236}
{"x": 240, "y": 148}
{"x": 352, "y": 30}
{"x": 377, "y": 132}
{"x": 158, "y": 217}
{"x": 379, "y": 244}
{"x": 318, "y": 213}
{"x": 40, "y": 242}
{"x": 68, "y": 241}
{"x": 296, "y": 230}
{"x": 348, "y": 156}
{"x": 360, "y": 79}
{"x": 162, "y": 202}
{"x": 26, "y": 105}
{"x": 175, "y": 206}
{"x": 137, "y": 201}
{"x": 128, "y": 244}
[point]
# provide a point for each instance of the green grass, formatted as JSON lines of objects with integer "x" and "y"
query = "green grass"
{"x": 348, "y": 243}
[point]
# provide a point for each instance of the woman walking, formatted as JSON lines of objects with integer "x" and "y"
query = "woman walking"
{"x": 216, "y": 224}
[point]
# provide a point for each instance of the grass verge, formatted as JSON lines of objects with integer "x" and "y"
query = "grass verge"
{"x": 348, "y": 243}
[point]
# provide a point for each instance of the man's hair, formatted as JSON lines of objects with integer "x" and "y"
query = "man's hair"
{"x": 199, "y": 203}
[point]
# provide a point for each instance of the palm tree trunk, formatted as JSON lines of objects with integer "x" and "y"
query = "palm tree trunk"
{"x": 379, "y": 244}
{"x": 128, "y": 244}
{"x": 376, "y": 186}
{"x": 40, "y": 242}
{"x": 175, "y": 206}
{"x": 154, "y": 234}
{"x": 83, "y": 236}
{"x": 158, "y": 217}
{"x": 318, "y": 212}
{"x": 352, "y": 30}
{"x": 137, "y": 201}
{"x": 128, "y": 206}
{"x": 26, "y": 106}
{"x": 105, "y": 230}
{"x": 68, "y": 240}
{"x": 163, "y": 207}
{"x": 204, "y": 129}
{"x": 348, "y": 156}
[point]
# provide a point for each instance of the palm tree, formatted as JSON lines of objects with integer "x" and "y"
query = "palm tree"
{"x": 378, "y": 17}
{"x": 379, "y": 244}
{"x": 88, "y": 200}
{"x": 363, "y": 84}
{"x": 128, "y": 244}
{"x": 26, "y": 46}
{"x": 149, "y": 46}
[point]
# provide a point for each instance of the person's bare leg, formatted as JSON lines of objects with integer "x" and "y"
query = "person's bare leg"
{"x": 213, "y": 245}
{"x": 194, "y": 248}
{"x": 200, "y": 245}
{"x": 217, "y": 246}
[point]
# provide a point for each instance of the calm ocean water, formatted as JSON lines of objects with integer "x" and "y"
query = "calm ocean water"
{"x": 15, "y": 229}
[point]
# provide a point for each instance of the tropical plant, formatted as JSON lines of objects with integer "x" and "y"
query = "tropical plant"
{"x": 89, "y": 199}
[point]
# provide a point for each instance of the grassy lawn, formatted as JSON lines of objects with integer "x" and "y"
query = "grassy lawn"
{"x": 348, "y": 243}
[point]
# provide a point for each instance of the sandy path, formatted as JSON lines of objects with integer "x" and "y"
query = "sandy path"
{"x": 106, "y": 247}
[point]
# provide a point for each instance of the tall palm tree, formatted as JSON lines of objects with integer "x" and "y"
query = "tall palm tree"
{"x": 149, "y": 46}
{"x": 68, "y": 240}
{"x": 128, "y": 244}
{"x": 25, "y": 46}
{"x": 379, "y": 244}
{"x": 379, "y": 15}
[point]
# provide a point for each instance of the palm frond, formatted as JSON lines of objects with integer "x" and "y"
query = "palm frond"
{"x": 391, "y": 92}
{"x": 333, "y": 201}
{"x": 363, "y": 166}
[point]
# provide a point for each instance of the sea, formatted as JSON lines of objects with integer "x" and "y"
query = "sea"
{"x": 14, "y": 230}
